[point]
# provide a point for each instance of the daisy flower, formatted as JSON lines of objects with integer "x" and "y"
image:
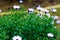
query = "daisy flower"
{"x": 50, "y": 35}
{"x": 17, "y": 38}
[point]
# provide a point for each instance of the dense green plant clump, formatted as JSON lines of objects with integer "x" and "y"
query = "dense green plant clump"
{"x": 28, "y": 26}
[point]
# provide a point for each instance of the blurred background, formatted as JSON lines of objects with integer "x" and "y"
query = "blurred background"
{"x": 6, "y": 4}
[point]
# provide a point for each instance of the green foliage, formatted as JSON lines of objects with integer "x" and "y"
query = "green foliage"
{"x": 28, "y": 26}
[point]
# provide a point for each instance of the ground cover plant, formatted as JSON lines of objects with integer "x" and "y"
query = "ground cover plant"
{"x": 28, "y": 26}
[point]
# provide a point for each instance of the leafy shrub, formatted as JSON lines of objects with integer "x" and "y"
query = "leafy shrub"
{"x": 28, "y": 26}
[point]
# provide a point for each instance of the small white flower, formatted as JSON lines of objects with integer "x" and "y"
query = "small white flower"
{"x": 45, "y": 10}
{"x": 30, "y": 10}
{"x": 48, "y": 14}
{"x": 16, "y": 7}
{"x": 50, "y": 35}
{"x": 39, "y": 8}
{"x": 55, "y": 17}
{"x": 20, "y": 1}
{"x": 58, "y": 21}
{"x": 17, "y": 38}
{"x": 53, "y": 9}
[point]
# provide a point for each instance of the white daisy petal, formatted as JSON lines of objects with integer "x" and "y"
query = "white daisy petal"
{"x": 50, "y": 35}
{"x": 30, "y": 10}
{"x": 58, "y": 21}
{"x": 17, "y": 38}
{"x": 16, "y": 7}
{"x": 0, "y": 10}
{"x": 20, "y": 1}
{"x": 53, "y": 9}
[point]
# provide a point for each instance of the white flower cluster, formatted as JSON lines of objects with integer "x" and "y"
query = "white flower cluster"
{"x": 17, "y": 38}
{"x": 42, "y": 9}
{"x": 39, "y": 15}
{"x": 39, "y": 8}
